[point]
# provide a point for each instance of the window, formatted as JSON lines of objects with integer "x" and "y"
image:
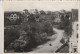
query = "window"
{"x": 77, "y": 26}
{"x": 77, "y": 35}
{"x": 15, "y": 15}
{"x": 11, "y": 15}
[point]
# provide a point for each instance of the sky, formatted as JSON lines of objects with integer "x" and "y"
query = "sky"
{"x": 44, "y": 5}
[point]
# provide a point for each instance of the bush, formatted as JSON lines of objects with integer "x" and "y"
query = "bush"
{"x": 7, "y": 22}
{"x": 9, "y": 36}
{"x": 48, "y": 28}
{"x": 68, "y": 30}
{"x": 66, "y": 25}
{"x": 62, "y": 41}
{"x": 36, "y": 34}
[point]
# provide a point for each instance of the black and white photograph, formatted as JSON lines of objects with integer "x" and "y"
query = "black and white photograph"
{"x": 41, "y": 27}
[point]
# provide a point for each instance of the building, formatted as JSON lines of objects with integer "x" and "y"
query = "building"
{"x": 13, "y": 17}
{"x": 73, "y": 40}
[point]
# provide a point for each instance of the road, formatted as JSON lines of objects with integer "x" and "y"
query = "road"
{"x": 55, "y": 44}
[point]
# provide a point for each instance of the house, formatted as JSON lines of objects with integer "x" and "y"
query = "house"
{"x": 13, "y": 16}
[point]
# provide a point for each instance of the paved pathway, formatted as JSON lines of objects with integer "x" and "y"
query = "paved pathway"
{"x": 46, "y": 48}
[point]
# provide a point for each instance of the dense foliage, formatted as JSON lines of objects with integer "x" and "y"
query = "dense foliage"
{"x": 66, "y": 24}
{"x": 32, "y": 34}
{"x": 9, "y": 36}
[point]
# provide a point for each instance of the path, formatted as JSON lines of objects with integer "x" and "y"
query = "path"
{"x": 46, "y": 48}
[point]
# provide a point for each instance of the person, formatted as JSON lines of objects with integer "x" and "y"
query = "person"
{"x": 50, "y": 44}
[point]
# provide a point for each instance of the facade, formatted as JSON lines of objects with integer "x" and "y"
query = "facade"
{"x": 73, "y": 41}
{"x": 13, "y": 17}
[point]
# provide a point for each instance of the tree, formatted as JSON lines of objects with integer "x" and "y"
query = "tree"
{"x": 31, "y": 18}
{"x": 49, "y": 12}
{"x": 42, "y": 12}
{"x": 66, "y": 24}
{"x": 7, "y": 22}
{"x": 10, "y": 36}
{"x": 26, "y": 11}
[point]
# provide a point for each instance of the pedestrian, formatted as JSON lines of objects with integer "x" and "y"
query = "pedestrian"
{"x": 50, "y": 44}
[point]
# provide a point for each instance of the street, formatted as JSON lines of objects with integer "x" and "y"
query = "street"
{"x": 55, "y": 44}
